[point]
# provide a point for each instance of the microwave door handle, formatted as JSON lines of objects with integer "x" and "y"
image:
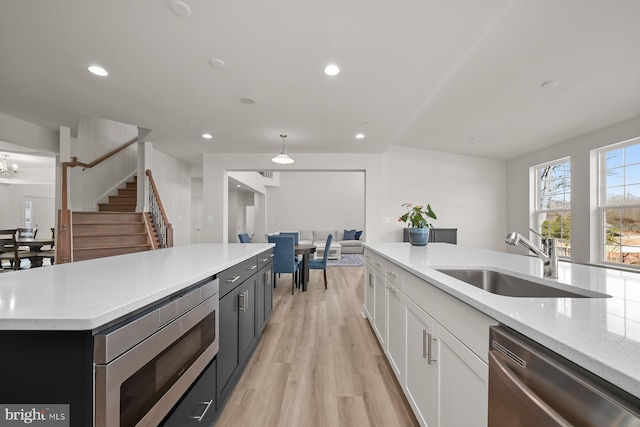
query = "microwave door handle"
{"x": 508, "y": 379}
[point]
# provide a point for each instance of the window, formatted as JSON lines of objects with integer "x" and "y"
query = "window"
{"x": 553, "y": 203}
{"x": 27, "y": 213}
{"x": 620, "y": 203}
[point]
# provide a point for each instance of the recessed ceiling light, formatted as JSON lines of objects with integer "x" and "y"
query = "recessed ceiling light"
{"x": 180, "y": 8}
{"x": 217, "y": 63}
{"x": 207, "y": 136}
{"x": 331, "y": 70}
{"x": 98, "y": 71}
{"x": 248, "y": 101}
{"x": 238, "y": 185}
{"x": 549, "y": 84}
{"x": 359, "y": 135}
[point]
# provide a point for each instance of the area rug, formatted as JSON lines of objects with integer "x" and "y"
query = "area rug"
{"x": 347, "y": 260}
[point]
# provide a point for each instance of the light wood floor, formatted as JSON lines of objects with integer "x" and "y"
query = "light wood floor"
{"x": 318, "y": 363}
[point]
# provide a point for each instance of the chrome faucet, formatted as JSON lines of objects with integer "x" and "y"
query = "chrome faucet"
{"x": 548, "y": 254}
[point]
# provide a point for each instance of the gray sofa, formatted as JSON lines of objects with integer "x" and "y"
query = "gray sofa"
{"x": 319, "y": 238}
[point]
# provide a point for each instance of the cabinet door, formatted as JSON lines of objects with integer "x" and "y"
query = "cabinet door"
{"x": 396, "y": 331}
{"x": 260, "y": 301}
{"x": 268, "y": 293}
{"x": 463, "y": 378}
{"x": 379, "y": 314}
{"x": 421, "y": 377}
{"x": 369, "y": 295}
{"x": 248, "y": 326}
{"x": 228, "y": 355}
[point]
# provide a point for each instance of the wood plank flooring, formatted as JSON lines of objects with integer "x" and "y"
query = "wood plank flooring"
{"x": 318, "y": 363}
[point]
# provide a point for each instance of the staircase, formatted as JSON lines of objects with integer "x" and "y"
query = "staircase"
{"x": 115, "y": 229}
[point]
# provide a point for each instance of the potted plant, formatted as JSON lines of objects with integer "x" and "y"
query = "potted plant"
{"x": 416, "y": 218}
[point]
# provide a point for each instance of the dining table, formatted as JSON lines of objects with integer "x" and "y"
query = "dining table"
{"x": 305, "y": 250}
{"x": 35, "y": 244}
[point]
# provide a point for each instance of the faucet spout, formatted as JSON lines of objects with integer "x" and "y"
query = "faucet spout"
{"x": 548, "y": 254}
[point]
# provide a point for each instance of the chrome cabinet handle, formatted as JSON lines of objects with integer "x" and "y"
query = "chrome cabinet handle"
{"x": 272, "y": 255}
{"x": 393, "y": 291}
{"x": 233, "y": 280}
{"x": 392, "y": 274}
{"x": 429, "y": 349}
{"x": 253, "y": 267}
{"x": 265, "y": 260}
{"x": 206, "y": 408}
{"x": 424, "y": 344}
{"x": 242, "y": 306}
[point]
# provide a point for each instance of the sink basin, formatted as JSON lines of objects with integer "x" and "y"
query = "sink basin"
{"x": 505, "y": 284}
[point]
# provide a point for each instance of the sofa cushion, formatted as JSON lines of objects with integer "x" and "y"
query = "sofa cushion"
{"x": 306, "y": 235}
{"x": 321, "y": 235}
{"x": 358, "y": 234}
{"x": 349, "y": 235}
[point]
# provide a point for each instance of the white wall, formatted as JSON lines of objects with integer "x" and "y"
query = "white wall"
{"x": 5, "y": 206}
{"x": 173, "y": 180}
{"x": 14, "y": 216}
{"x": 97, "y": 137}
{"x": 467, "y": 193}
{"x": 310, "y": 200}
{"x": 584, "y": 221}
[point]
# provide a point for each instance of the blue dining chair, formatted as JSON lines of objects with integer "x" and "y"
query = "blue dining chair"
{"x": 244, "y": 238}
{"x": 321, "y": 264}
{"x": 296, "y": 237}
{"x": 284, "y": 260}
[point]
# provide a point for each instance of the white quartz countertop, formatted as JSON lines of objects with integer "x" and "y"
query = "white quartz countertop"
{"x": 89, "y": 294}
{"x": 600, "y": 334}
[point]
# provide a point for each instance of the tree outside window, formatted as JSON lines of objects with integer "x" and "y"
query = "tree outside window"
{"x": 553, "y": 203}
{"x": 620, "y": 203}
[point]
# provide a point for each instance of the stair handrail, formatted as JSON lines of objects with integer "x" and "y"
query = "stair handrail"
{"x": 158, "y": 215}
{"x": 63, "y": 243}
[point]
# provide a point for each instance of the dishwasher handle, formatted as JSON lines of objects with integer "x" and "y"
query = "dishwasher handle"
{"x": 503, "y": 380}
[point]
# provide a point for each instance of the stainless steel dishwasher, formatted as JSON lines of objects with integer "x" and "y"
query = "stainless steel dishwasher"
{"x": 531, "y": 386}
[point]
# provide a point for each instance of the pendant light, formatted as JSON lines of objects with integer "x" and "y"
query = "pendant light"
{"x": 282, "y": 158}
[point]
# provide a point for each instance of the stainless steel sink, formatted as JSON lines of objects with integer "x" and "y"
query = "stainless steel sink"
{"x": 505, "y": 284}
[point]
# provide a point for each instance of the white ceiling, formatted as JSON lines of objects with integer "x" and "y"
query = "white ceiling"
{"x": 452, "y": 75}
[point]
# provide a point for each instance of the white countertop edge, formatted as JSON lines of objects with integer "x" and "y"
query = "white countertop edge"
{"x": 113, "y": 314}
{"x": 603, "y": 369}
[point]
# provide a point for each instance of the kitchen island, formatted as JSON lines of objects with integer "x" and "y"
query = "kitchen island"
{"x": 49, "y": 316}
{"x": 602, "y": 335}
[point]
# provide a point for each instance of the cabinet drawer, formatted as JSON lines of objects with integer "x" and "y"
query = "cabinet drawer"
{"x": 265, "y": 259}
{"x": 234, "y": 276}
{"x": 198, "y": 406}
{"x": 375, "y": 261}
{"x": 394, "y": 274}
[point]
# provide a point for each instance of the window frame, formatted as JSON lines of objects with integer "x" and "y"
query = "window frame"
{"x": 537, "y": 210}
{"x": 602, "y": 200}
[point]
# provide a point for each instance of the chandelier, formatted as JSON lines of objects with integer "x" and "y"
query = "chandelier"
{"x": 6, "y": 169}
{"x": 282, "y": 158}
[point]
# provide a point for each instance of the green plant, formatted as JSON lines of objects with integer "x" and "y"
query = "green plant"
{"x": 416, "y": 216}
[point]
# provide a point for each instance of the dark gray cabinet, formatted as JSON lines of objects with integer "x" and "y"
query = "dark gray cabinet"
{"x": 198, "y": 406}
{"x": 265, "y": 297}
{"x": 244, "y": 308}
{"x": 438, "y": 235}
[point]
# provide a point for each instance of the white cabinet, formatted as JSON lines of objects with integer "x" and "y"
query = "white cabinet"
{"x": 442, "y": 374}
{"x": 463, "y": 385}
{"x": 379, "y": 315}
{"x": 421, "y": 382}
{"x": 436, "y": 345}
{"x": 396, "y": 327}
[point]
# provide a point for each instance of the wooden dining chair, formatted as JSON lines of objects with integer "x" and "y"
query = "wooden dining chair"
{"x": 29, "y": 233}
{"x": 9, "y": 250}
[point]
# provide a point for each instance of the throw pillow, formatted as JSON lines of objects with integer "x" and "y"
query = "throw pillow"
{"x": 358, "y": 234}
{"x": 349, "y": 235}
